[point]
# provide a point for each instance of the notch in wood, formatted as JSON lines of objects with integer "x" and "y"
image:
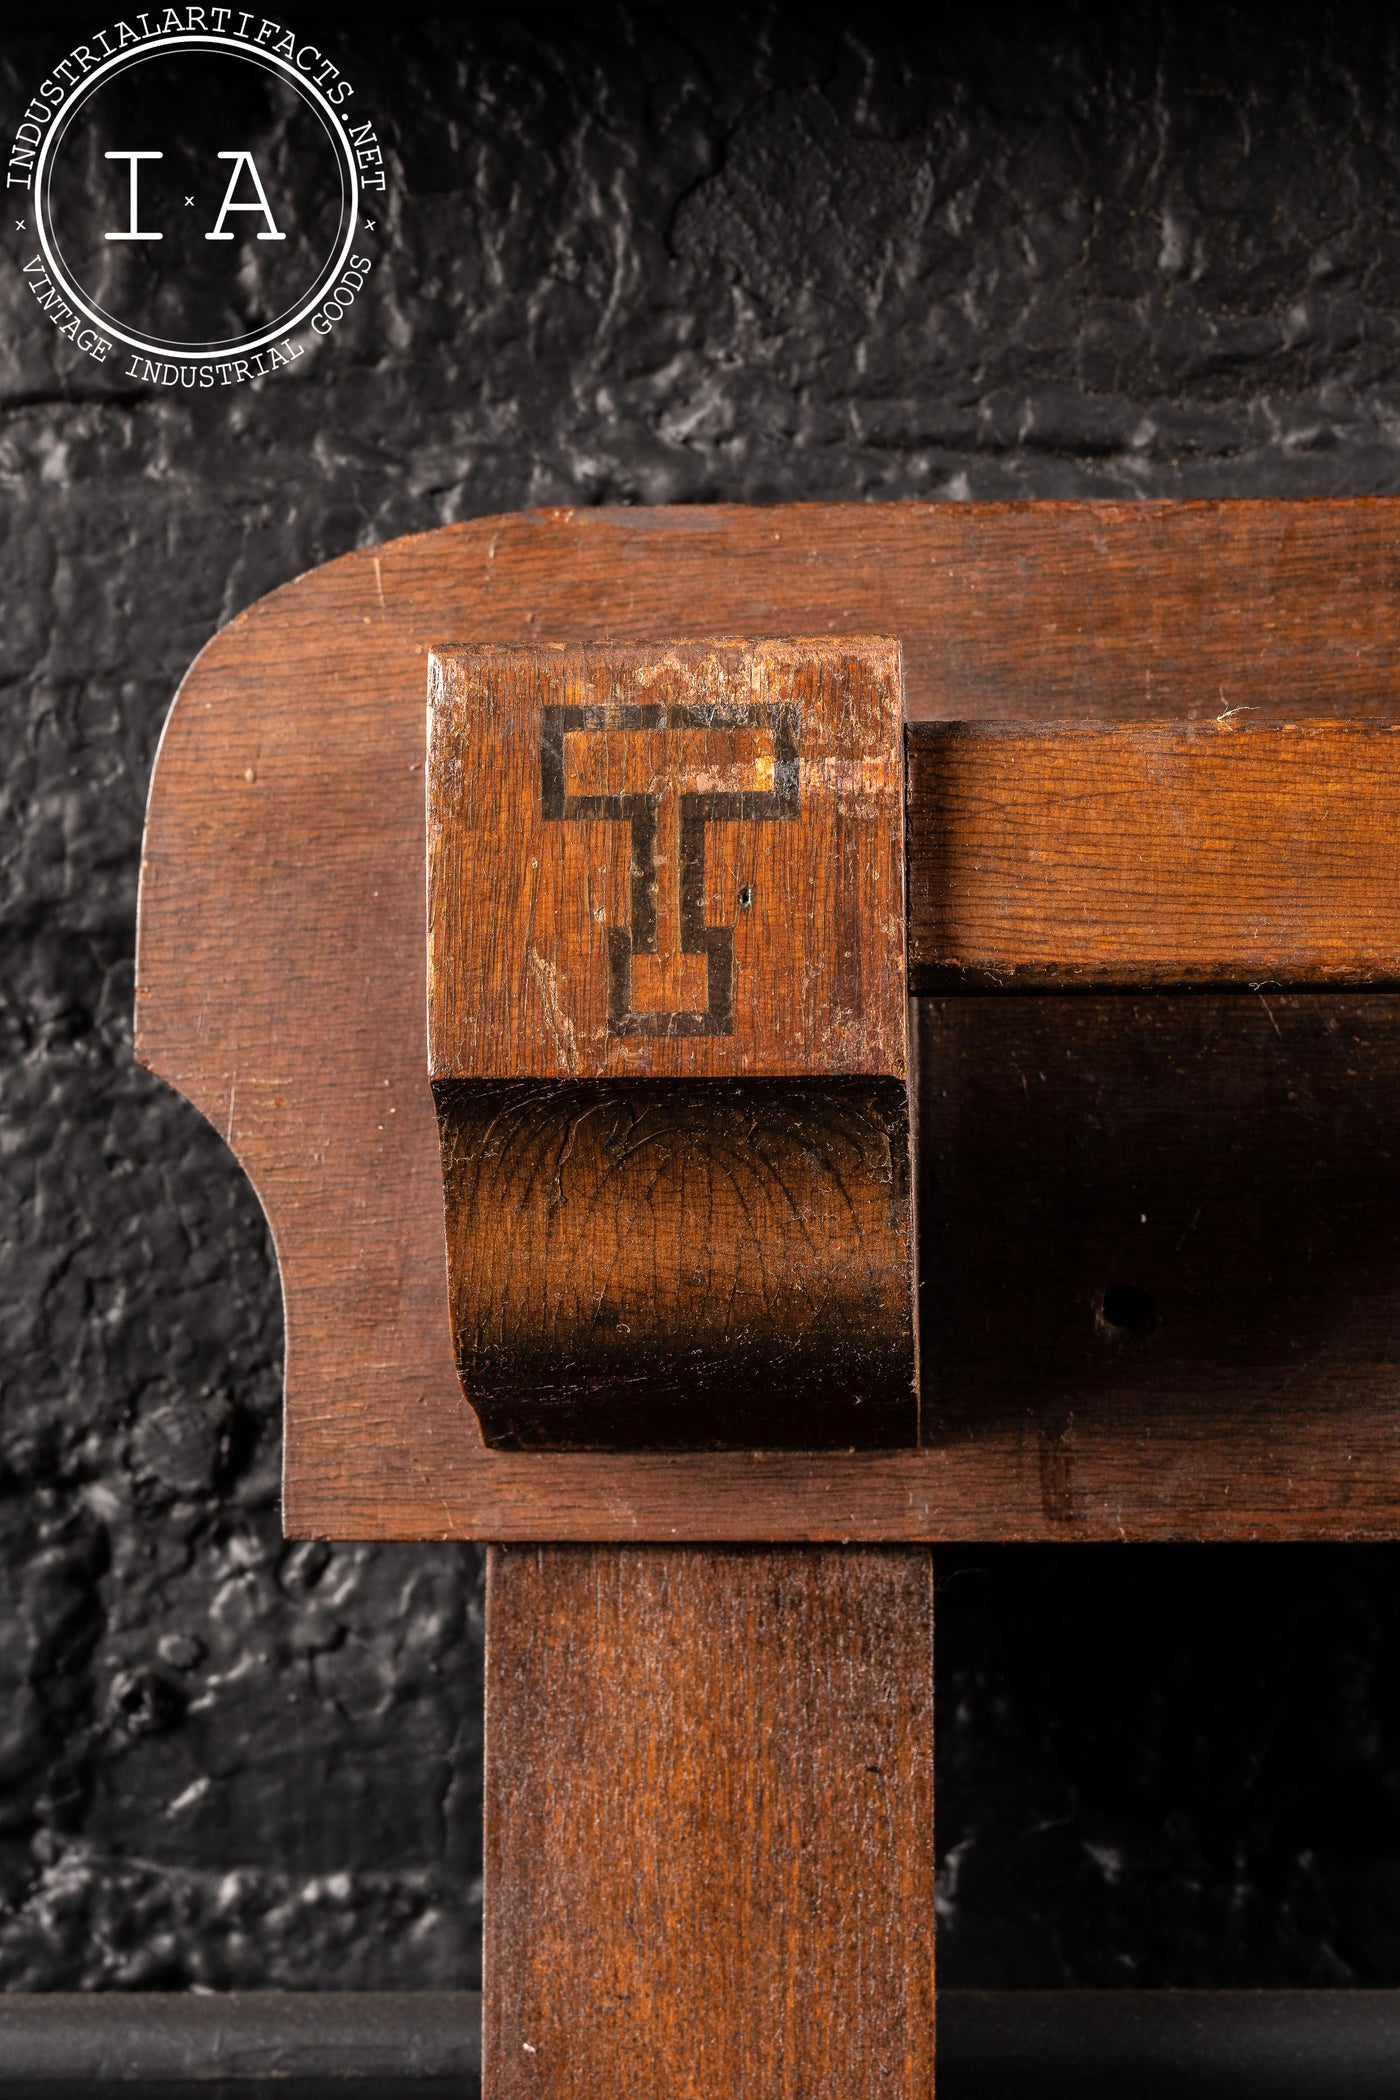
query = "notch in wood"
{"x": 668, "y": 1042}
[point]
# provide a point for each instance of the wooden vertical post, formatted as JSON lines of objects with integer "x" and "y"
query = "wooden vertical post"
{"x": 709, "y": 1823}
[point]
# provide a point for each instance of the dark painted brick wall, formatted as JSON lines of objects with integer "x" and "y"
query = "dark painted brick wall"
{"x": 638, "y": 257}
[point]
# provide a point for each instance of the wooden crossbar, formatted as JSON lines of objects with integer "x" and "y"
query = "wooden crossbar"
{"x": 1148, "y": 856}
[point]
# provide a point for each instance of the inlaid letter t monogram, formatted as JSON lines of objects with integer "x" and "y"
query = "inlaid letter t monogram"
{"x": 668, "y": 771}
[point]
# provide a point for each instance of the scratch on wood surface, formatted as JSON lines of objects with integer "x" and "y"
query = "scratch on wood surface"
{"x": 561, "y": 1028}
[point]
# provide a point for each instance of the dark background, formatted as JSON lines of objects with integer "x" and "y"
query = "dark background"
{"x": 637, "y": 256}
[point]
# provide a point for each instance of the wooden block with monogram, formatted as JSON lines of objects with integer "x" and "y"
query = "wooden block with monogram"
{"x": 667, "y": 1011}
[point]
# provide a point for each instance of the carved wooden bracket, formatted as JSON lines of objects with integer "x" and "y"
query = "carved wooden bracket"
{"x": 667, "y": 1031}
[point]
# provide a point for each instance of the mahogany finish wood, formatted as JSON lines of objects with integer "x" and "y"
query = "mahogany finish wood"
{"x": 667, "y": 1030}
{"x": 731, "y": 1749}
{"x": 584, "y": 805}
{"x": 281, "y": 987}
{"x": 1217, "y": 854}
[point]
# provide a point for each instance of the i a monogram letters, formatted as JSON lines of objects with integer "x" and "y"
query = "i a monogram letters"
{"x": 243, "y": 165}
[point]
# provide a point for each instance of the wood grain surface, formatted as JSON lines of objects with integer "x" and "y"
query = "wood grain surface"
{"x": 1213, "y": 854}
{"x": 667, "y": 1022}
{"x": 709, "y": 1862}
{"x": 281, "y": 987}
{"x": 680, "y": 861}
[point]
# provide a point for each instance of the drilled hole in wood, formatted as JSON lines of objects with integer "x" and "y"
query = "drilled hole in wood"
{"x": 1127, "y": 1309}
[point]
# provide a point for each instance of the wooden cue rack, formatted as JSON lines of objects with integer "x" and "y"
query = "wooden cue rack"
{"x": 768, "y": 1039}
